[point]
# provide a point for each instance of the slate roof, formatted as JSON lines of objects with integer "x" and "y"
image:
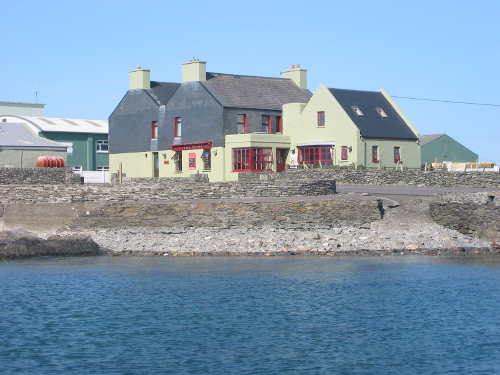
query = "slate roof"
{"x": 163, "y": 91}
{"x": 372, "y": 124}
{"x": 18, "y": 136}
{"x": 254, "y": 92}
{"x": 427, "y": 138}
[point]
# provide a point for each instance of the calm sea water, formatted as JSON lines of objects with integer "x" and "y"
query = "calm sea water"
{"x": 401, "y": 315}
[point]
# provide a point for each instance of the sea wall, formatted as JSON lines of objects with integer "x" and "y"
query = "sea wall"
{"x": 476, "y": 214}
{"x": 37, "y": 176}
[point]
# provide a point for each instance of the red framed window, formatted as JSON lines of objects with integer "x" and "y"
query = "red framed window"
{"x": 279, "y": 124}
{"x": 344, "y": 153}
{"x": 267, "y": 124}
{"x": 253, "y": 159}
{"x": 177, "y": 127}
{"x": 375, "y": 154}
{"x": 242, "y": 122}
{"x": 397, "y": 154}
{"x": 321, "y": 118}
{"x": 154, "y": 129}
{"x": 192, "y": 160}
{"x": 316, "y": 154}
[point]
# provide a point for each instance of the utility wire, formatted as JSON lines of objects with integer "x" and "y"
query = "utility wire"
{"x": 446, "y": 101}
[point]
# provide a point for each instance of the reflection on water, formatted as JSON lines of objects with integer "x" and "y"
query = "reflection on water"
{"x": 249, "y": 315}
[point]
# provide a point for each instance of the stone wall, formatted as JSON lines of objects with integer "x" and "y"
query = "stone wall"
{"x": 385, "y": 177}
{"x": 476, "y": 214}
{"x": 37, "y": 176}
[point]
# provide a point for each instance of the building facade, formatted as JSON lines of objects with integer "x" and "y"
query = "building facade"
{"x": 86, "y": 140}
{"x": 437, "y": 148}
{"x": 22, "y": 109}
{"x": 224, "y": 124}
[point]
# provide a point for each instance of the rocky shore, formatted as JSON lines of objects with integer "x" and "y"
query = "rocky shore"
{"x": 26, "y": 244}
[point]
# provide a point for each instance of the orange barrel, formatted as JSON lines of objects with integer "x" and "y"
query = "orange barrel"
{"x": 42, "y": 162}
{"x": 52, "y": 161}
{"x": 62, "y": 162}
{"x": 58, "y": 162}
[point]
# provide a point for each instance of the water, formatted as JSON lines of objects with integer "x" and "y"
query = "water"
{"x": 401, "y": 315}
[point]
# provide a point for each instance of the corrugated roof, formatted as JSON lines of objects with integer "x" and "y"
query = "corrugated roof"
{"x": 426, "y": 138}
{"x": 371, "y": 123}
{"x": 56, "y": 124}
{"x": 241, "y": 91}
{"x": 163, "y": 91}
{"x": 19, "y": 136}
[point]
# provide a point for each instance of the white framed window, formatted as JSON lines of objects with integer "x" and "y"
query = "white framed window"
{"x": 102, "y": 145}
{"x": 103, "y": 169}
{"x": 381, "y": 112}
{"x": 77, "y": 168}
{"x": 357, "y": 110}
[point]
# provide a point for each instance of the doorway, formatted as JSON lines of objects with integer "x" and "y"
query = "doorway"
{"x": 281, "y": 155}
{"x": 156, "y": 165}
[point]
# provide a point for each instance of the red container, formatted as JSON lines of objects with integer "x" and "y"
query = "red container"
{"x": 42, "y": 162}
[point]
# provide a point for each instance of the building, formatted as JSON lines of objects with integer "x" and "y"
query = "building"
{"x": 20, "y": 146}
{"x": 225, "y": 124}
{"x": 437, "y": 148}
{"x": 21, "y": 109}
{"x": 351, "y": 128}
{"x": 213, "y": 123}
{"x": 87, "y": 140}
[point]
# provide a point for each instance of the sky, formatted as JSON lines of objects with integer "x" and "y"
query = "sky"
{"x": 77, "y": 54}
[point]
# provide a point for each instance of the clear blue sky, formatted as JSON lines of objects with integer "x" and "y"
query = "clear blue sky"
{"x": 77, "y": 53}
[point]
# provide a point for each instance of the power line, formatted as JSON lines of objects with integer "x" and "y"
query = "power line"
{"x": 446, "y": 101}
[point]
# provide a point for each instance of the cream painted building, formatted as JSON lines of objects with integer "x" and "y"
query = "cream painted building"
{"x": 351, "y": 128}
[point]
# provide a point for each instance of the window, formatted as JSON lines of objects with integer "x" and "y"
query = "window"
{"x": 102, "y": 145}
{"x": 375, "y": 154}
{"x": 192, "y": 160}
{"x": 279, "y": 124}
{"x": 207, "y": 160}
{"x": 178, "y": 127}
{"x": 178, "y": 161}
{"x": 344, "y": 153}
{"x": 321, "y": 154}
{"x": 154, "y": 130}
{"x": 252, "y": 159}
{"x": 267, "y": 124}
{"x": 103, "y": 169}
{"x": 397, "y": 154}
{"x": 321, "y": 118}
{"x": 381, "y": 112}
{"x": 242, "y": 122}
{"x": 357, "y": 110}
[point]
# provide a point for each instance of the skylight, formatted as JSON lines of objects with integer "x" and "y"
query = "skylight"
{"x": 357, "y": 110}
{"x": 381, "y": 112}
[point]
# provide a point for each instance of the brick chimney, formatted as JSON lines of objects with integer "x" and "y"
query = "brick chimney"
{"x": 194, "y": 71}
{"x": 297, "y": 75}
{"x": 139, "y": 79}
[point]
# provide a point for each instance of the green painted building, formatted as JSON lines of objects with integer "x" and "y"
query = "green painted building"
{"x": 437, "y": 148}
{"x": 87, "y": 140}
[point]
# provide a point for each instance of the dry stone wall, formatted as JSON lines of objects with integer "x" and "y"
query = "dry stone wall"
{"x": 37, "y": 176}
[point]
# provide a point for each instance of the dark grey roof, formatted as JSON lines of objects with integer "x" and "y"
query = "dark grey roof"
{"x": 163, "y": 91}
{"x": 18, "y": 136}
{"x": 424, "y": 139}
{"x": 254, "y": 92}
{"x": 371, "y": 124}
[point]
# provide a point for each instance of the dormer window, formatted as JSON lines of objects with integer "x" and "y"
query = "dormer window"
{"x": 357, "y": 110}
{"x": 381, "y": 112}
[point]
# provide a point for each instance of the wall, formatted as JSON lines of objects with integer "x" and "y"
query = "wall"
{"x": 446, "y": 148}
{"x": 25, "y": 158}
{"x": 130, "y": 123}
{"x": 84, "y": 149}
{"x": 202, "y": 117}
{"x": 21, "y": 109}
{"x": 12, "y": 178}
{"x": 409, "y": 151}
{"x": 254, "y": 119}
{"x": 303, "y": 127}
{"x": 476, "y": 214}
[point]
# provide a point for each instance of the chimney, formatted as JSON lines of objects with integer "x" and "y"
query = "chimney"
{"x": 194, "y": 71}
{"x": 139, "y": 79}
{"x": 297, "y": 75}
